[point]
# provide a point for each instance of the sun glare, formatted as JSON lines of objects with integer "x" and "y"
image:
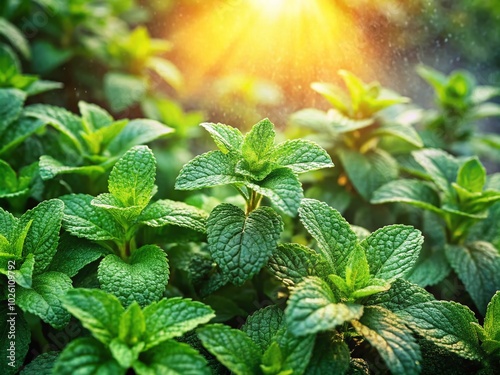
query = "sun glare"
{"x": 290, "y": 42}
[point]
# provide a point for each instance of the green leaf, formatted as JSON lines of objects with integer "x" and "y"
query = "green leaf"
{"x": 441, "y": 167}
{"x": 334, "y": 235}
{"x": 446, "y": 324}
{"x": 472, "y": 175}
{"x": 24, "y": 275}
{"x": 41, "y": 86}
{"x": 227, "y": 138}
{"x": 123, "y": 90}
{"x": 291, "y": 263}
{"x": 368, "y": 171}
{"x": 18, "y": 131}
{"x": 392, "y": 251}
{"x": 173, "y": 317}
{"x": 74, "y": 253}
{"x": 357, "y": 273}
{"x": 50, "y": 168}
{"x": 11, "y": 105}
{"x": 387, "y": 333}
{"x": 168, "y": 212}
{"x": 132, "y": 178}
{"x": 213, "y": 168}
{"x": 431, "y": 268}
{"x": 43, "y": 235}
{"x": 403, "y": 132}
{"x": 41, "y": 365}
{"x": 241, "y": 245}
{"x": 263, "y": 325}
{"x": 283, "y": 188}
{"x": 477, "y": 264}
{"x": 83, "y": 220}
{"x": 328, "y": 357}
{"x": 296, "y": 351}
{"x": 123, "y": 214}
{"x": 15, "y": 37}
{"x": 94, "y": 116}
{"x": 400, "y": 296}
{"x": 7, "y": 224}
{"x": 258, "y": 144}
{"x": 14, "y": 329}
{"x": 233, "y": 348}
{"x": 137, "y": 132}
{"x": 97, "y": 310}
{"x": 167, "y": 71}
{"x": 334, "y": 94}
{"x": 44, "y": 298}
{"x": 86, "y": 356}
{"x": 8, "y": 184}
{"x": 272, "y": 359}
{"x": 416, "y": 193}
{"x": 143, "y": 278}
{"x": 301, "y": 156}
{"x": 492, "y": 318}
{"x": 172, "y": 357}
{"x": 123, "y": 354}
{"x": 132, "y": 325}
{"x": 313, "y": 308}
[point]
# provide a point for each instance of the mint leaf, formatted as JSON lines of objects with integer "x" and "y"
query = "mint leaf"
{"x": 50, "y": 168}
{"x": 328, "y": 357}
{"x": 15, "y": 37}
{"x": 416, "y": 193}
{"x": 403, "y": 132}
{"x": 9, "y": 182}
{"x": 492, "y": 318}
{"x": 123, "y": 90}
{"x": 132, "y": 325}
{"x": 283, "y": 188}
{"x": 233, "y": 348}
{"x": 143, "y": 278}
{"x": 240, "y": 244}
{"x": 137, "y": 132}
{"x": 291, "y": 263}
{"x": 97, "y": 310}
{"x": 400, "y": 296}
{"x": 86, "y": 356}
{"x": 334, "y": 235}
{"x": 83, "y": 220}
{"x": 132, "y": 178}
{"x": 94, "y": 116}
{"x": 263, "y": 325}
{"x": 43, "y": 234}
{"x": 18, "y": 131}
{"x": 173, "y": 317}
{"x": 357, "y": 272}
{"x": 370, "y": 170}
{"x": 24, "y": 275}
{"x": 73, "y": 254}
{"x": 477, "y": 264}
{"x": 258, "y": 144}
{"x": 472, "y": 175}
{"x": 392, "y": 251}
{"x": 11, "y": 104}
{"x": 227, "y": 138}
{"x": 387, "y": 333}
{"x": 172, "y": 357}
{"x": 296, "y": 351}
{"x": 446, "y": 324}
{"x": 7, "y": 224}
{"x": 312, "y": 307}
{"x": 301, "y": 156}
{"x": 41, "y": 365}
{"x": 210, "y": 169}
{"x": 43, "y": 299}
{"x": 441, "y": 167}
{"x": 168, "y": 212}
{"x": 122, "y": 213}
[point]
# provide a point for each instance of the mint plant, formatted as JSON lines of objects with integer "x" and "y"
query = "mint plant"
{"x": 240, "y": 241}
{"x": 132, "y": 338}
{"x": 357, "y": 135}
{"x": 459, "y": 194}
{"x": 112, "y": 220}
{"x": 489, "y": 334}
{"x": 356, "y": 290}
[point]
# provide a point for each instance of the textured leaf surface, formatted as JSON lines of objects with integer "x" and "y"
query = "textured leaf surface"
{"x": 41, "y": 365}
{"x": 50, "y": 167}
{"x": 86, "y": 356}
{"x": 477, "y": 264}
{"x": 369, "y": 171}
{"x": 132, "y": 178}
{"x": 11, "y": 105}
{"x": 401, "y": 296}
{"x": 403, "y": 132}
{"x": 416, "y": 193}
{"x": 44, "y": 299}
{"x": 43, "y": 233}
{"x": 172, "y": 357}
{"x": 328, "y": 357}
{"x": 241, "y": 245}
{"x": 472, "y": 175}
{"x": 120, "y": 212}
{"x": 296, "y": 351}
{"x": 213, "y": 168}
{"x": 492, "y": 318}
{"x": 97, "y": 310}
{"x": 168, "y": 212}
{"x": 173, "y": 317}
{"x": 18, "y": 131}
{"x": 441, "y": 167}
{"x": 83, "y": 220}
{"x": 232, "y": 347}
{"x": 94, "y": 116}
{"x": 388, "y": 334}
{"x": 301, "y": 156}
{"x": 263, "y": 325}
{"x": 258, "y": 143}
{"x": 283, "y": 188}
{"x": 142, "y": 279}
{"x": 227, "y": 138}
{"x": 392, "y": 251}
{"x": 333, "y": 233}
{"x": 313, "y": 308}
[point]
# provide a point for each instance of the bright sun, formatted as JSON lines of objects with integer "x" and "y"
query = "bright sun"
{"x": 290, "y": 42}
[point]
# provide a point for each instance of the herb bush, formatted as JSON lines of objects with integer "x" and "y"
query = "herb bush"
{"x": 384, "y": 257}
